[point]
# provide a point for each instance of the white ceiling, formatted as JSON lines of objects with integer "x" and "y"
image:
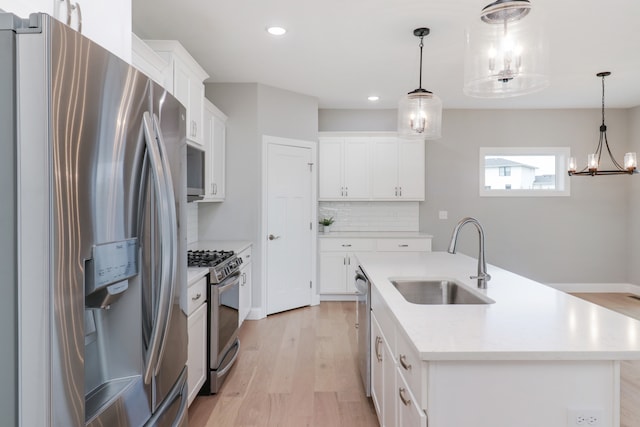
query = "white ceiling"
{"x": 341, "y": 51}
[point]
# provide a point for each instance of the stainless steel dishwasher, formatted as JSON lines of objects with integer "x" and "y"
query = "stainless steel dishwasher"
{"x": 363, "y": 327}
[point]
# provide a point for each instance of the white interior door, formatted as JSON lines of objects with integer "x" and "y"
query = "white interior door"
{"x": 289, "y": 241}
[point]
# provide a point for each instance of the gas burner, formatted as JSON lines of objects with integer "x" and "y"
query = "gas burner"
{"x": 207, "y": 258}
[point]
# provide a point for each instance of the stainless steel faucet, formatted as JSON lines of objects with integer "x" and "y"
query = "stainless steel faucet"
{"x": 483, "y": 277}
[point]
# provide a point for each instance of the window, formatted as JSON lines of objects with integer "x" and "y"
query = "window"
{"x": 523, "y": 171}
{"x": 505, "y": 170}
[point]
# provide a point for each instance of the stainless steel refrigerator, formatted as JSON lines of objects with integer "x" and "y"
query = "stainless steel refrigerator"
{"x": 93, "y": 248}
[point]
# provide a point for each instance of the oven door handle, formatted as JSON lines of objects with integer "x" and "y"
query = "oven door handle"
{"x": 232, "y": 280}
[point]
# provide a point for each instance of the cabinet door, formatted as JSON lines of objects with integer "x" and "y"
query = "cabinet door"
{"x": 333, "y": 267}
{"x": 197, "y": 351}
{"x": 245, "y": 291}
{"x": 195, "y": 106}
{"x": 181, "y": 88}
{"x": 385, "y": 168}
{"x": 214, "y": 134}
{"x": 377, "y": 353}
{"x": 411, "y": 165}
{"x": 356, "y": 169}
{"x": 409, "y": 412}
{"x": 330, "y": 161}
{"x": 350, "y": 281}
{"x": 218, "y": 163}
{"x": 389, "y": 382}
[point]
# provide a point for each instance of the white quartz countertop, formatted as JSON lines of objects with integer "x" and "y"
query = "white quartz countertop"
{"x": 220, "y": 245}
{"x": 195, "y": 273}
{"x": 374, "y": 234}
{"x": 528, "y": 321}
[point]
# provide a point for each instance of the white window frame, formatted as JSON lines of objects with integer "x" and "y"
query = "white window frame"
{"x": 562, "y": 178}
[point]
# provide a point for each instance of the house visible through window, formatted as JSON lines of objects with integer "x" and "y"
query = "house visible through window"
{"x": 537, "y": 171}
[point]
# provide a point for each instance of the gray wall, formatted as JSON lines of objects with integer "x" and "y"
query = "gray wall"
{"x": 254, "y": 110}
{"x": 550, "y": 239}
{"x": 633, "y": 222}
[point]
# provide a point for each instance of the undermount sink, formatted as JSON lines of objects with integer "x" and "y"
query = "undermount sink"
{"x": 437, "y": 291}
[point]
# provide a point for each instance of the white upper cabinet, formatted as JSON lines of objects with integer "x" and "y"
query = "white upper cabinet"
{"x": 398, "y": 169}
{"x": 106, "y": 23}
{"x": 344, "y": 169}
{"x": 184, "y": 78}
{"x": 147, "y": 60}
{"x": 214, "y": 133}
{"x": 371, "y": 168}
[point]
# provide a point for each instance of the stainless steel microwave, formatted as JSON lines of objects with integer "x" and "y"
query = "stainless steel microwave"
{"x": 195, "y": 173}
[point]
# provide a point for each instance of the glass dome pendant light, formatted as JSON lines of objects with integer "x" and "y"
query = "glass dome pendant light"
{"x": 593, "y": 160}
{"x": 420, "y": 111}
{"x": 506, "y": 51}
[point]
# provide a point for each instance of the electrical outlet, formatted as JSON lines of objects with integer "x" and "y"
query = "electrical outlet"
{"x": 443, "y": 215}
{"x": 585, "y": 417}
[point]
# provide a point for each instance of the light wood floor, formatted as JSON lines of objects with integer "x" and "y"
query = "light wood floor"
{"x": 297, "y": 368}
{"x": 629, "y": 370}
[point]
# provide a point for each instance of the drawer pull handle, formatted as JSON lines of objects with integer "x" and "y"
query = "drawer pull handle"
{"x": 403, "y": 362}
{"x": 346, "y": 246}
{"x": 378, "y": 355}
{"x": 403, "y": 246}
{"x": 197, "y": 297}
{"x": 401, "y": 393}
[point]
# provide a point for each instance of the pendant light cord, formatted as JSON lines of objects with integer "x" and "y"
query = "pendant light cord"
{"x": 603, "y": 100}
{"x": 420, "y": 79}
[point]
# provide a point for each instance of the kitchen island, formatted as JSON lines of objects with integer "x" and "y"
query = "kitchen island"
{"x": 534, "y": 357}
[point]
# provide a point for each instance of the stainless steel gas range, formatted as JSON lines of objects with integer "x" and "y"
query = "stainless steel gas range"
{"x": 223, "y": 295}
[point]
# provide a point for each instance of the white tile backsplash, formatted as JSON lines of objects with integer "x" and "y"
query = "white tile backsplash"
{"x": 192, "y": 222}
{"x": 371, "y": 216}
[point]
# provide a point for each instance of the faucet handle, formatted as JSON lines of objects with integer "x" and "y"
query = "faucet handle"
{"x": 483, "y": 276}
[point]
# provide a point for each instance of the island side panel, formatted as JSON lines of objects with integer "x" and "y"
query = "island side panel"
{"x": 521, "y": 393}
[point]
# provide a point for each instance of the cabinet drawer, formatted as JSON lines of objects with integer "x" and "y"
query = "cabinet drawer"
{"x": 196, "y": 295}
{"x": 404, "y": 245}
{"x": 347, "y": 245}
{"x": 245, "y": 255}
{"x": 412, "y": 368}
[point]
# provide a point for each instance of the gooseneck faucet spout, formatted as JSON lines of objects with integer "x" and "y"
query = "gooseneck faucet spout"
{"x": 483, "y": 277}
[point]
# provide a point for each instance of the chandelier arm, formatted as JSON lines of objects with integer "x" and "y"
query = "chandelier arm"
{"x": 611, "y": 155}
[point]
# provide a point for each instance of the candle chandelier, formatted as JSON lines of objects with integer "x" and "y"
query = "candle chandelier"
{"x": 420, "y": 111}
{"x": 593, "y": 160}
{"x": 506, "y": 51}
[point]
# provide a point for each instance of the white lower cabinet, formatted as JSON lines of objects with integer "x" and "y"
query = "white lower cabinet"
{"x": 338, "y": 264}
{"x": 245, "y": 284}
{"x": 398, "y": 376}
{"x": 197, "y": 332}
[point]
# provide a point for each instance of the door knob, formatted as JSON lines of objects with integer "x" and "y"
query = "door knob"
{"x": 272, "y": 237}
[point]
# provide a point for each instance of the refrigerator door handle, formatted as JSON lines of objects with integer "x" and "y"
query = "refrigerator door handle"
{"x": 173, "y": 238}
{"x": 167, "y": 246}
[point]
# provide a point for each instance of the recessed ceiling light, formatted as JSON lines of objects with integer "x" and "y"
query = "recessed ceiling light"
{"x": 373, "y": 98}
{"x": 276, "y": 31}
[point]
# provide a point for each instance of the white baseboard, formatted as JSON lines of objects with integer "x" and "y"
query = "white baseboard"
{"x": 596, "y": 287}
{"x": 337, "y": 297}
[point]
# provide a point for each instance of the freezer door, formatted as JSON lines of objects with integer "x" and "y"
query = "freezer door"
{"x": 172, "y": 412}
